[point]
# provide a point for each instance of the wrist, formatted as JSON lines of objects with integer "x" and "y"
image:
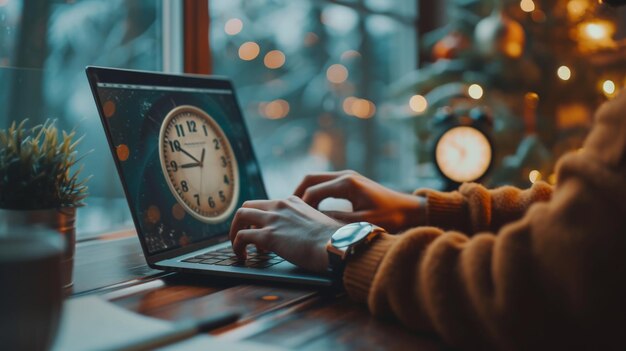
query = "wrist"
{"x": 347, "y": 241}
{"x": 415, "y": 211}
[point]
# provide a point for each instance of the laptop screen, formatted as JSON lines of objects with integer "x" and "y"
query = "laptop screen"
{"x": 184, "y": 157}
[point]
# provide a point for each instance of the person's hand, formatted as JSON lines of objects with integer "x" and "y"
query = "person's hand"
{"x": 371, "y": 201}
{"x": 290, "y": 228}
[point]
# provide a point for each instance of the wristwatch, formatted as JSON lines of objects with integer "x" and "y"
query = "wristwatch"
{"x": 347, "y": 241}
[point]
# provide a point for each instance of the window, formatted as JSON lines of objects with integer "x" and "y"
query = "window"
{"x": 42, "y": 76}
{"x": 313, "y": 78}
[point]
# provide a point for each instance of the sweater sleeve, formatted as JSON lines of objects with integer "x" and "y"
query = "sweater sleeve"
{"x": 552, "y": 279}
{"x": 473, "y": 208}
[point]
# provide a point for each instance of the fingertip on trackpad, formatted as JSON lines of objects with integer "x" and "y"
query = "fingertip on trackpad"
{"x": 335, "y": 204}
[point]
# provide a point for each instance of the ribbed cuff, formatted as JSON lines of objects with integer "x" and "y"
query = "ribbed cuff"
{"x": 445, "y": 210}
{"x": 361, "y": 269}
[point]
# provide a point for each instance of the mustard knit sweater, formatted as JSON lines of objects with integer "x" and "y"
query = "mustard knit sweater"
{"x": 512, "y": 269}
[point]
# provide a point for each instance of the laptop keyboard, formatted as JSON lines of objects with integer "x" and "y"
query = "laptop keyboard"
{"x": 226, "y": 257}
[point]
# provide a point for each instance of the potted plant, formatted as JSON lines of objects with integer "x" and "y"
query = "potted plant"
{"x": 38, "y": 185}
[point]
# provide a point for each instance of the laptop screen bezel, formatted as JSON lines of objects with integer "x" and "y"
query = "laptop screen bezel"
{"x": 98, "y": 75}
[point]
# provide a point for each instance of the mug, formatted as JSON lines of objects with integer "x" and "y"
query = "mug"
{"x": 31, "y": 287}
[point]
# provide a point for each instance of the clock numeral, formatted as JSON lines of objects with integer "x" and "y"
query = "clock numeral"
{"x": 222, "y": 197}
{"x": 175, "y": 146}
{"x": 197, "y": 199}
{"x": 216, "y": 142}
{"x": 226, "y": 181}
{"x": 173, "y": 166}
{"x": 191, "y": 125}
{"x": 183, "y": 185}
{"x": 180, "y": 131}
{"x": 224, "y": 161}
{"x": 211, "y": 202}
{"x": 206, "y": 132}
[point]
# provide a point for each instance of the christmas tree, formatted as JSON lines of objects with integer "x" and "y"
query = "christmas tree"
{"x": 542, "y": 67}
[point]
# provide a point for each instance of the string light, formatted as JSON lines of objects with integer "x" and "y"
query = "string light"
{"x": 595, "y": 31}
{"x": 552, "y": 179}
{"x": 475, "y": 91}
{"x": 249, "y": 50}
{"x": 534, "y": 176}
{"x": 337, "y": 73}
{"x": 608, "y": 86}
{"x": 527, "y": 5}
{"x": 233, "y": 26}
{"x": 576, "y": 9}
{"x": 274, "y": 59}
{"x": 564, "y": 73}
{"x": 418, "y": 103}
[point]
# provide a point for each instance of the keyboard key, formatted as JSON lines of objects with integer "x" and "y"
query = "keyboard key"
{"x": 192, "y": 260}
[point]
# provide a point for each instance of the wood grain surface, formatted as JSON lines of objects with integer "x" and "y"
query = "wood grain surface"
{"x": 289, "y": 316}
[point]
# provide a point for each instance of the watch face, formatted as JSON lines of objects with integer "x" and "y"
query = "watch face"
{"x": 350, "y": 234}
{"x": 199, "y": 164}
{"x": 463, "y": 154}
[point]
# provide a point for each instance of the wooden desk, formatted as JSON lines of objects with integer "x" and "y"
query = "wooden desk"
{"x": 288, "y": 316}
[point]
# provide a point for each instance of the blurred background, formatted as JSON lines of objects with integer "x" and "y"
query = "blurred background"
{"x": 328, "y": 84}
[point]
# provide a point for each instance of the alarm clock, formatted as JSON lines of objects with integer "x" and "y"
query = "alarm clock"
{"x": 199, "y": 164}
{"x": 463, "y": 149}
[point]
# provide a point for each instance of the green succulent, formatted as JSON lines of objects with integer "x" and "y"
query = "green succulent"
{"x": 36, "y": 168}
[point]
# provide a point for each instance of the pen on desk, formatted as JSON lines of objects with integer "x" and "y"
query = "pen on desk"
{"x": 182, "y": 330}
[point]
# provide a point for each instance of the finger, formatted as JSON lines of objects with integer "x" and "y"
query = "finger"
{"x": 265, "y": 205}
{"x": 245, "y": 218}
{"x": 346, "y": 217}
{"x": 341, "y": 187}
{"x": 317, "y": 178}
{"x": 245, "y": 237}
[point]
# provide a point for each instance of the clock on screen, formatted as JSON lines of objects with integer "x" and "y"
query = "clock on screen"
{"x": 199, "y": 164}
{"x": 463, "y": 150}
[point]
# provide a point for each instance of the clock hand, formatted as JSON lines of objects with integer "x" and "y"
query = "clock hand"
{"x": 188, "y": 154}
{"x": 202, "y": 158}
{"x": 191, "y": 165}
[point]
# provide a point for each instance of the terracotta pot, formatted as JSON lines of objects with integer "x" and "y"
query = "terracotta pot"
{"x": 61, "y": 220}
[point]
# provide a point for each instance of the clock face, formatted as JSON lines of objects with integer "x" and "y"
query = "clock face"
{"x": 199, "y": 164}
{"x": 463, "y": 154}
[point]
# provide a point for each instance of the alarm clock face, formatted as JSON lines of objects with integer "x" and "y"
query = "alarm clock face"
{"x": 463, "y": 154}
{"x": 199, "y": 164}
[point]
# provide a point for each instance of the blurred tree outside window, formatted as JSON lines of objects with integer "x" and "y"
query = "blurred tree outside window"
{"x": 313, "y": 78}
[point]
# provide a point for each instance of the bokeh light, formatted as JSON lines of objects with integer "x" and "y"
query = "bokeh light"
{"x": 527, "y": 5}
{"x": 249, "y": 50}
{"x": 233, "y": 26}
{"x": 274, "y": 59}
{"x": 418, "y": 103}
{"x": 276, "y": 109}
{"x": 363, "y": 108}
{"x": 564, "y": 73}
{"x": 608, "y": 86}
{"x": 475, "y": 91}
{"x": 337, "y": 73}
{"x": 534, "y": 176}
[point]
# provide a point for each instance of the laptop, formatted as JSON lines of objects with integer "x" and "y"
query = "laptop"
{"x": 186, "y": 163}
